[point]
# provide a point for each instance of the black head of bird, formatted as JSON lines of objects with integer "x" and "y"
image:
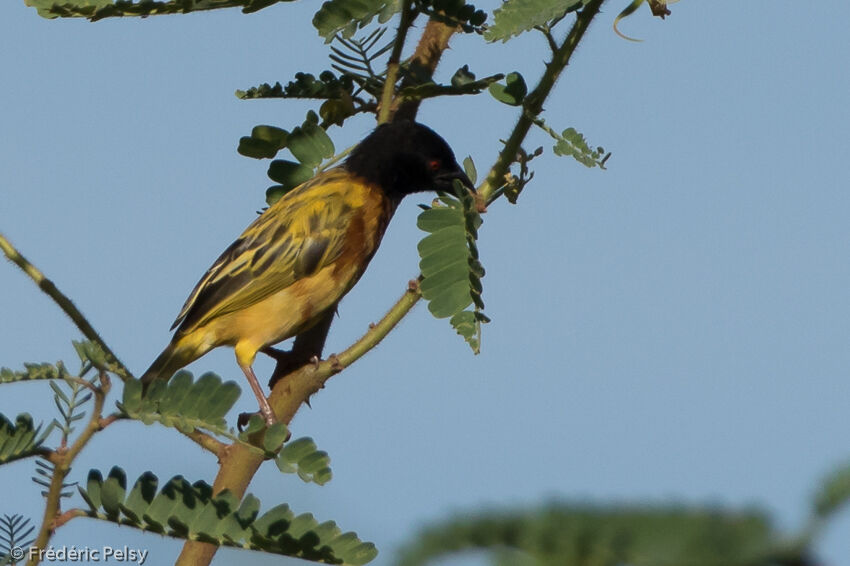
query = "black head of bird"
{"x": 406, "y": 157}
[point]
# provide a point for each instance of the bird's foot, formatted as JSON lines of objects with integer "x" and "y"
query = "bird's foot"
{"x": 243, "y": 419}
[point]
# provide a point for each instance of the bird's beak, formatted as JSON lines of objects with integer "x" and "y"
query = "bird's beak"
{"x": 458, "y": 174}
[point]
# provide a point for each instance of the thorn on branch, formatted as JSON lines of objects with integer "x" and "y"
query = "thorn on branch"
{"x": 336, "y": 365}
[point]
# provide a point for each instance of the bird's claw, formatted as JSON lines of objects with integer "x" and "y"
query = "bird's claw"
{"x": 243, "y": 419}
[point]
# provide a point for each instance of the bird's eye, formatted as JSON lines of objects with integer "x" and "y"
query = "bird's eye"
{"x": 434, "y": 164}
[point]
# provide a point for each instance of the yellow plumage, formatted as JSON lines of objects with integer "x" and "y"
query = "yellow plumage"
{"x": 291, "y": 264}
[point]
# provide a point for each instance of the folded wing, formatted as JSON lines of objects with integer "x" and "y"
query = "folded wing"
{"x": 297, "y": 236}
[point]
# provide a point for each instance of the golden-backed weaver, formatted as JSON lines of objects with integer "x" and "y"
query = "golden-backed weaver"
{"x": 292, "y": 265}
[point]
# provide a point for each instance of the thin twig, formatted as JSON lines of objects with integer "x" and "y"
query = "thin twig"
{"x": 62, "y": 466}
{"x": 547, "y": 33}
{"x": 64, "y": 303}
{"x": 82, "y": 382}
{"x": 108, "y": 420}
{"x": 68, "y": 515}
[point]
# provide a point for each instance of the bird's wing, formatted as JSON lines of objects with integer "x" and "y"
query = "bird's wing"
{"x": 297, "y": 236}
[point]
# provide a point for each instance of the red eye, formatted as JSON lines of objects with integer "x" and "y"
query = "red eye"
{"x": 434, "y": 164}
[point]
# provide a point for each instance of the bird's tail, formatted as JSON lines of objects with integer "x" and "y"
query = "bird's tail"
{"x": 167, "y": 363}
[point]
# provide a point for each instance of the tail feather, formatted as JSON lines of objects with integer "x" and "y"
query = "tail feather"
{"x": 167, "y": 363}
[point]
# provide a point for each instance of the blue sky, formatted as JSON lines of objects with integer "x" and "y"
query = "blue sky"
{"x": 673, "y": 329}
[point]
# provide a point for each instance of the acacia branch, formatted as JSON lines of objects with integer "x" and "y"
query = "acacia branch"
{"x": 532, "y": 106}
{"x": 429, "y": 51}
{"x": 206, "y": 441}
{"x": 293, "y": 390}
{"x": 394, "y": 63}
{"x": 239, "y": 463}
{"x": 64, "y": 303}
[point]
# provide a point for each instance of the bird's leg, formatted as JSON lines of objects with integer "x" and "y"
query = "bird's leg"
{"x": 265, "y": 408}
{"x": 307, "y": 347}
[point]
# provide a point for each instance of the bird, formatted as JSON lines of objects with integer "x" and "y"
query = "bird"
{"x": 291, "y": 266}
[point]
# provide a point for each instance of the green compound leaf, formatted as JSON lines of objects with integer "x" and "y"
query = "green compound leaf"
{"x": 182, "y": 403}
{"x": 188, "y": 405}
{"x": 305, "y": 85}
{"x": 98, "y": 9}
{"x": 637, "y": 535}
{"x": 469, "y": 169}
{"x": 512, "y": 92}
{"x": 190, "y": 512}
{"x": 15, "y": 532}
{"x": 264, "y": 142}
{"x": 112, "y": 493}
{"x": 517, "y": 16}
{"x": 275, "y": 437}
{"x": 833, "y": 494}
{"x": 309, "y": 143}
{"x": 571, "y": 143}
{"x": 289, "y": 174}
{"x": 347, "y": 16}
{"x": 303, "y": 457}
{"x": 451, "y": 272}
{"x": 34, "y": 372}
{"x": 70, "y": 403}
{"x": 337, "y": 111}
{"x": 91, "y": 353}
{"x": 20, "y": 439}
{"x": 468, "y": 325}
